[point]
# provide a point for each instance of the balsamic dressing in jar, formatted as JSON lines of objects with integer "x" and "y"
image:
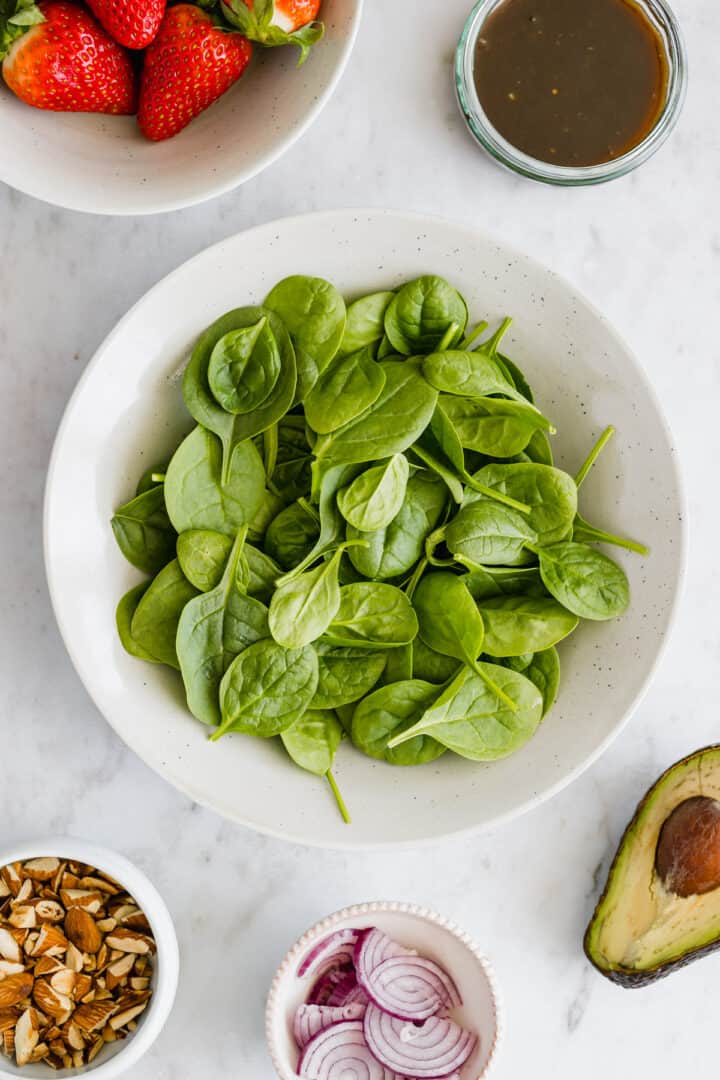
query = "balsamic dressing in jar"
{"x": 571, "y": 82}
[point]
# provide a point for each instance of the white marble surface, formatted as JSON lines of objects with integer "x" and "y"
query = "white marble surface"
{"x": 646, "y": 249}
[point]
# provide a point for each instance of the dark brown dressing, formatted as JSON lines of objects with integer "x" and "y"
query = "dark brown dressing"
{"x": 572, "y": 82}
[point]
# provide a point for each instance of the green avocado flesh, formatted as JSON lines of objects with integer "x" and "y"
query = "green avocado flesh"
{"x": 640, "y": 931}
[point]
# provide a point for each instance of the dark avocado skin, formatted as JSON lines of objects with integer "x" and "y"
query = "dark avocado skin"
{"x": 629, "y": 978}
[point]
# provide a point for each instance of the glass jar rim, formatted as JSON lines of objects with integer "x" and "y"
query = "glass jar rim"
{"x": 664, "y": 20}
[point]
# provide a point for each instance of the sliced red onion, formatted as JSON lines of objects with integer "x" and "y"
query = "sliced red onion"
{"x": 356, "y": 996}
{"x": 410, "y": 987}
{"x": 345, "y": 989}
{"x": 341, "y": 1053}
{"x": 311, "y": 1019}
{"x": 334, "y": 949}
{"x": 372, "y": 948}
{"x": 430, "y": 1051}
{"x": 322, "y": 988}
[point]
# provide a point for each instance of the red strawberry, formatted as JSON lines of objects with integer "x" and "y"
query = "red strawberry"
{"x": 291, "y": 15}
{"x": 188, "y": 66}
{"x": 59, "y": 58}
{"x": 133, "y": 23}
{"x": 277, "y": 22}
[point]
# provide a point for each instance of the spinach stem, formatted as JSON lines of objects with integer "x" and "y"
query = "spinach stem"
{"x": 415, "y": 579}
{"x": 310, "y": 510}
{"x": 500, "y": 694}
{"x": 492, "y": 493}
{"x": 338, "y": 797}
{"x": 270, "y": 450}
{"x": 594, "y": 454}
{"x": 474, "y": 335}
{"x": 588, "y": 533}
{"x": 491, "y": 345}
{"x": 448, "y": 337}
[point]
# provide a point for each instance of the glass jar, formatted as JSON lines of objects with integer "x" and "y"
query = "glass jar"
{"x": 666, "y": 25}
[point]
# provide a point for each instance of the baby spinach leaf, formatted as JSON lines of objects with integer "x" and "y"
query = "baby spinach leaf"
{"x": 203, "y": 407}
{"x": 372, "y": 615}
{"x": 468, "y": 718}
{"x": 292, "y": 535}
{"x": 244, "y": 367}
{"x": 544, "y": 671}
{"x": 123, "y": 620}
{"x": 270, "y": 506}
{"x": 393, "y": 551}
{"x": 486, "y": 533}
{"x": 374, "y": 498}
{"x": 485, "y": 581}
{"x": 303, "y": 607}
{"x": 550, "y": 493}
{"x": 421, "y": 313}
{"x": 292, "y": 473}
{"x": 467, "y": 374}
{"x": 390, "y": 712}
{"x": 518, "y": 663}
{"x": 143, "y": 531}
{"x": 365, "y": 322}
{"x": 516, "y": 377}
{"x": 522, "y": 624}
{"x": 312, "y": 741}
{"x": 399, "y": 665}
{"x": 450, "y": 623}
{"x": 478, "y": 372}
{"x": 390, "y": 425}
{"x": 202, "y": 555}
{"x": 314, "y": 313}
{"x": 345, "y": 674}
{"x": 266, "y": 689}
{"x": 262, "y": 573}
{"x": 155, "y": 622}
{"x": 584, "y": 581}
{"x": 198, "y": 498}
{"x": 346, "y": 388}
{"x": 213, "y": 629}
{"x": 539, "y": 449}
{"x": 493, "y": 426}
{"x": 344, "y": 714}
{"x": 431, "y": 666}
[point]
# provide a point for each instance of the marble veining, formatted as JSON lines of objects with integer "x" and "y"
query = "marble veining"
{"x": 646, "y": 250}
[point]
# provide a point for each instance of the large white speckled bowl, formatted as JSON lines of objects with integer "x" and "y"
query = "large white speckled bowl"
{"x": 127, "y": 413}
{"x": 433, "y": 936}
{"x": 103, "y": 164}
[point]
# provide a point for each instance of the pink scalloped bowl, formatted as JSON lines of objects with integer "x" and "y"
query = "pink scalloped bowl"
{"x": 419, "y": 928}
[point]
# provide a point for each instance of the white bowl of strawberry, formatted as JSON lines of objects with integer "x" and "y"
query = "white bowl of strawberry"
{"x": 142, "y": 106}
{"x": 383, "y": 991}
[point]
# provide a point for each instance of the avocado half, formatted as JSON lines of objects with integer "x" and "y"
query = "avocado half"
{"x": 640, "y": 931}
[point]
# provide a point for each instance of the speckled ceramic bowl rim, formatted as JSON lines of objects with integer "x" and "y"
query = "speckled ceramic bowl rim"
{"x": 154, "y": 907}
{"x": 326, "y": 926}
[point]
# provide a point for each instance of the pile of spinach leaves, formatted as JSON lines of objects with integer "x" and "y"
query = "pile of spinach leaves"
{"x": 364, "y": 536}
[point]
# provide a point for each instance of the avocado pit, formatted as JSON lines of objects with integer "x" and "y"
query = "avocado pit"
{"x": 687, "y": 858}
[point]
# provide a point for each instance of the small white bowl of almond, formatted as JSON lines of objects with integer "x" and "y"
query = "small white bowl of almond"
{"x": 88, "y": 961}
